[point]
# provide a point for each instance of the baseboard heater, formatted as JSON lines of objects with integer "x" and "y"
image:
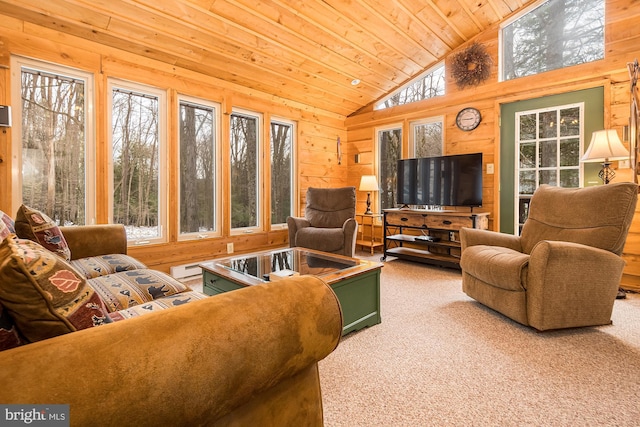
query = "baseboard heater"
{"x": 185, "y": 271}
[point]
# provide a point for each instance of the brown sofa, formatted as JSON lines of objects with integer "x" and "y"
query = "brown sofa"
{"x": 247, "y": 357}
{"x": 565, "y": 268}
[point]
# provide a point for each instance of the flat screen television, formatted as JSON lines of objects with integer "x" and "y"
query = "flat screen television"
{"x": 440, "y": 181}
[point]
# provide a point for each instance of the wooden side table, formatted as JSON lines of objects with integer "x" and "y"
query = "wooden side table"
{"x": 368, "y": 240}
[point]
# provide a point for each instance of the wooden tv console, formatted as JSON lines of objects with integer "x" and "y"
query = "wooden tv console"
{"x": 431, "y": 237}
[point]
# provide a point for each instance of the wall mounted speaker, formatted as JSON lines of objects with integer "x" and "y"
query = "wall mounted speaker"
{"x": 5, "y": 115}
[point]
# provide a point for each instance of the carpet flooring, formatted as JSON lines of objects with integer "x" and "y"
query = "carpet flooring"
{"x": 440, "y": 359}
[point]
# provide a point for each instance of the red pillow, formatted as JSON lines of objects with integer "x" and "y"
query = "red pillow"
{"x": 37, "y": 226}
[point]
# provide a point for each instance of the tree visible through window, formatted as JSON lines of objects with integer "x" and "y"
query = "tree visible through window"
{"x": 53, "y": 145}
{"x": 281, "y": 171}
{"x": 244, "y": 170}
{"x": 427, "y": 138}
{"x": 389, "y": 152}
{"x": 197, "y": 168}
{"x": 557, "y": 34}
{"x": 426, "y": 86}
{"x": 135, "y": 149}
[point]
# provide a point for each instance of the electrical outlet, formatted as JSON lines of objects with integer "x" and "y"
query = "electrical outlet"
{"x": 230, "y": 247}
{"x": 490, "y": 169}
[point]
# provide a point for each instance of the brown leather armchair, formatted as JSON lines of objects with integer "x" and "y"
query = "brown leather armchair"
{"x": 328, "y": 224}
{"x": 565, "y": 268}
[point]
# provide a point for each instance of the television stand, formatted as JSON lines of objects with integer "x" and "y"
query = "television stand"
{"x": 431, "y": 237}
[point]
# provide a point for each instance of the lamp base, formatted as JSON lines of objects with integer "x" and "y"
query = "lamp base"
{"x": 368, "y": 211}
{"x": 606, "y": 173}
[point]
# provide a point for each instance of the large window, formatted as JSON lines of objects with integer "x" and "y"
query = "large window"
{"x": 139, "y": 154}
{"x": 550, "y": 143}
{"x": 426, "y": 138}
{"x": 428, "y": 85}
{"x": 245, "y": 170}
{"x": 556, "y": 34}
{"x": 55, "y": 141}
{"x": 389, "y": 152}
{"x": 282, "y": 135}
{"x": 198, "y": 169}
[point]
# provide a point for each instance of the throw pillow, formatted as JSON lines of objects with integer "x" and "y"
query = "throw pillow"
{"x": 6, "y": 225}
{"x": 37, "y": 226}
{"x": 43, "y": 294}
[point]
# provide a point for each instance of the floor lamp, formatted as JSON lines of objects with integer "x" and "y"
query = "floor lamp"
{"x": 605, "y": 146}
{"x": 368, "y": 183}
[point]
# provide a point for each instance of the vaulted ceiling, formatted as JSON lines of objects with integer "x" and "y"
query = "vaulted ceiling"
{"x": 308, "y": 51}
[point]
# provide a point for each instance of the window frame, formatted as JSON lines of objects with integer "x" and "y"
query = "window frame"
{"x": 377, "y": 200}
{"x": 163, "y": 171}
{"x": 412, "y": 133}
{"x": 17, "y": 64}
{"x": 293, "y": 181}
{"x": 519, "y": 15}
{"x": 217, "y": 153}
{"x": 260, "y": 167}
{"x": 379, "y": 105}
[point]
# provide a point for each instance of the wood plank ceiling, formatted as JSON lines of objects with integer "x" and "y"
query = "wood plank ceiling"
{"x": 307, "y": 51}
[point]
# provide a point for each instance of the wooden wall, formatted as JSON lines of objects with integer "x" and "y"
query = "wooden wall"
{"x": 317, "y": 132}
{"x": 622, "y": 45}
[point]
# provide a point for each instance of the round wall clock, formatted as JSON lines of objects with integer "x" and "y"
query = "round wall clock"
{"x": 468, "y": 119}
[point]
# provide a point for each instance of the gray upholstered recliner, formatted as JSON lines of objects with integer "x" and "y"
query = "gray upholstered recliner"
{"x": 328, "y": 224}
{"x": 565, "y": 268}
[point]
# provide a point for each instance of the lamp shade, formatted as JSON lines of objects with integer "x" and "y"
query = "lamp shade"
{"x": 605, "y": 145}
{"x": 368, "y": 183}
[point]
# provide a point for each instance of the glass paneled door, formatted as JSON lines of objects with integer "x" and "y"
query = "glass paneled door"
{"x": 549, "y": 144}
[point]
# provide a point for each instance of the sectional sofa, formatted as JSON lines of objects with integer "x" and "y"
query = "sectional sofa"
{"x": 82, "y": 323}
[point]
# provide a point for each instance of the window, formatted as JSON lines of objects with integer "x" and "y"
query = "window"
{"x": 550, "y": 143}
{"x": 245, "y": 170}
{"x": 139, "y": 155}
{"x": 428, "y": 85}
{"x": 556, "y": 34}
{"x": 199, "y": 182}
{"x": 389, "y": 152}
{"x": 55, "y": 141}
{"x": 282, "y": 134}
{"x": 426, "y": 138}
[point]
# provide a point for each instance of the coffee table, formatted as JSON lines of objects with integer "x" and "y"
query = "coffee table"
{"x": 356, "y": 282}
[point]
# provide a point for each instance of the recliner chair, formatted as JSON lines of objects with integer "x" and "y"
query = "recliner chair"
{"x": 565, "y": 268}
{"x": 328, "y": 224}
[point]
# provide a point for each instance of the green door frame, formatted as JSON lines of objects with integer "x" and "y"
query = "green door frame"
{"x": 593, "y": 120}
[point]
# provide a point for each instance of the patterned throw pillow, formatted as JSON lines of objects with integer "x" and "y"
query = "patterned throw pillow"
{"x": 128, "y": 288}
{"x": 43, "y": 294}
{"x": 6, "y": 225}
{"x": 103, "y": 265}
{"x": 37, "y": 226}
{"x": 158, "y": 305}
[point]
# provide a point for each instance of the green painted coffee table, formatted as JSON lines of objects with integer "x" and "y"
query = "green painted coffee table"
{"x": 356, "y": 282}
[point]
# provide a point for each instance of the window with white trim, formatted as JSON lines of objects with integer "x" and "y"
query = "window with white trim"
{"x": 426, "y": 137}
{"x": 54, "y": 139}
{"x": 551, "y": 35}
{"x": 138, "y": 153}
{"x": 199, "y": 179}
{"x": 427, "y": 85}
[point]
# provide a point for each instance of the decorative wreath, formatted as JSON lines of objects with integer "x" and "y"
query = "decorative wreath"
{"x": 471, "y": 66}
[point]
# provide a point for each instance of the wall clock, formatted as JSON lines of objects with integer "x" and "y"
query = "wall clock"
{"x": 468, "y": 119}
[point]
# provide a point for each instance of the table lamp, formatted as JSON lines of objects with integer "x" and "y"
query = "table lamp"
{"x": 604, "y": 147}
{"x": 368, "y": 183}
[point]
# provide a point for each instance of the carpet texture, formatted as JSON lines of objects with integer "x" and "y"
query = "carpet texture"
{"x": 441, "y": 359}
